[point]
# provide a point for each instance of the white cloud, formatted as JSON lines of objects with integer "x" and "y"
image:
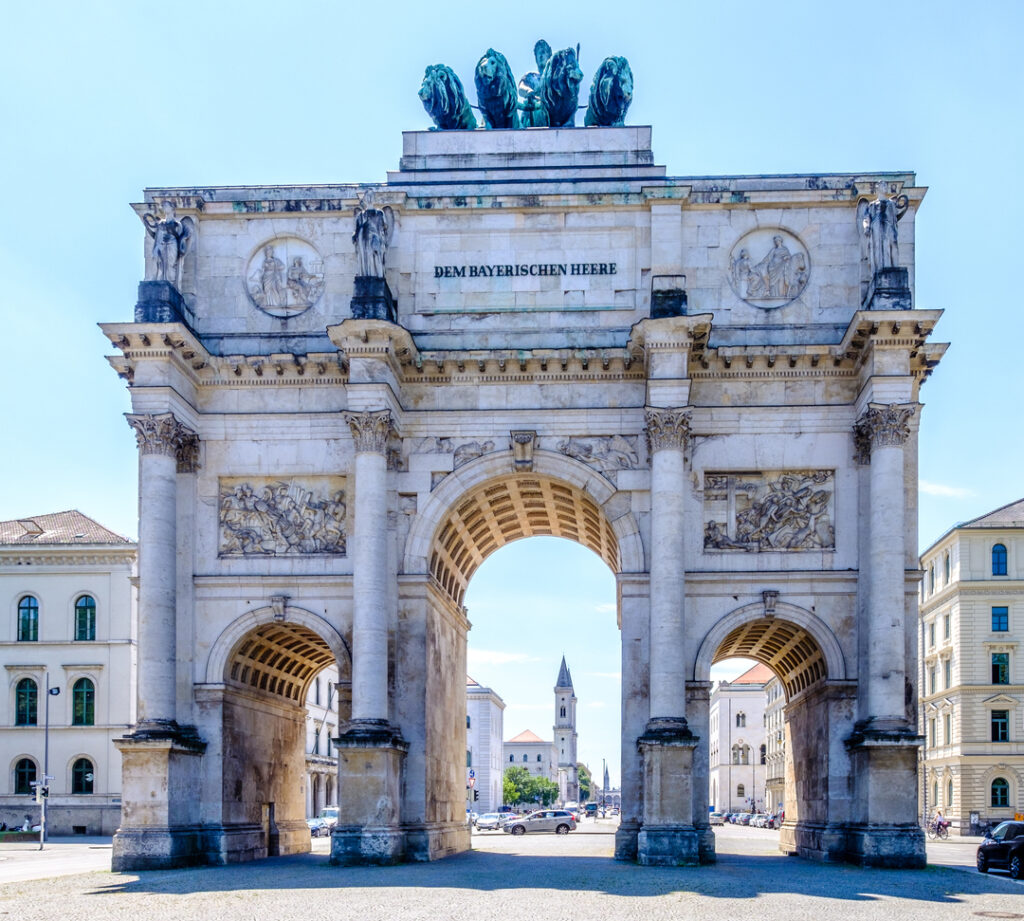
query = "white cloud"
{"x": 496, "y": 657}
{"x": 940, "y": 489}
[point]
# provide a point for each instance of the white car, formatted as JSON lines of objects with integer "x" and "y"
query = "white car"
{"x": 489, "y": 821}
{"x": 716, "y": 818}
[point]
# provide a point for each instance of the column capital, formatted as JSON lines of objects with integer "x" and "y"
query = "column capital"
{"x": 370, "y": 430}
{"x": 881, "y": 425}
{"x": 162, "y": 433}
{"x": 666, "y": 428}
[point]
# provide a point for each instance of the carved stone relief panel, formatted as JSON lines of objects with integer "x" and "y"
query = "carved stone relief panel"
{"x": 297, "y": 516}
{"x": 607, "y": 453}
{"x": 768, "y": 267}
{"x": 285, "y": 277}
{"x": 770, "y": 510}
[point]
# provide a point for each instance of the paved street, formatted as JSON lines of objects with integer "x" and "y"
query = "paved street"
{"x": 539, "y": 876}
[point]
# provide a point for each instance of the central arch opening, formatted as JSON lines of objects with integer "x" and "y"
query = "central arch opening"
{"x": 533, "y": 558}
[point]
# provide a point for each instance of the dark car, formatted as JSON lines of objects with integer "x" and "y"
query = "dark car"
{"x": 1003, "y": 849}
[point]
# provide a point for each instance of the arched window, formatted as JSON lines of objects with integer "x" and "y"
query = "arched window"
{"x": 468, "y": 726}
{"x": 538, "y": 757}
{"x": 764, "y": 754}
{"x": 999, "y": 560}
{"x": 24, "y": 775}
{"x": 28, "y": 620}
{"x": 1000, "y": 792}
{"x": 511, "y": 757}
{"x": 82, "y": 776}
{"x": 745, "y": 754}
{"x": 83, "y": 703}
{"x": 26, "y": 703}
{"x": 562, "y": 712}
{"x": 741, "y": 720}
{"x": 949, "y": 792}
{"x": 85, "y": 622}
{"x": 741, "y": 791}
{"x": 947, "y": 567}
{"x": 525, "y": 757}
{"x": 735, "y": 754}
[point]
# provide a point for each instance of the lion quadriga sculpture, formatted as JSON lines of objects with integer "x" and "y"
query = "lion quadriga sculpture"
{"x": 496, "y": 91}
{"x": 560, "y": 87}
{"x": 445, "y": 100}
{"x": 610, "y": 93}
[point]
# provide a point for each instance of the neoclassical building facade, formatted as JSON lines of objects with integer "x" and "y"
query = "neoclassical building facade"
{"x": 736, "y": 743}
{"x": 972, "y": 678}
{"x": 346, "y": 397}
{"x": 69, "y": 654}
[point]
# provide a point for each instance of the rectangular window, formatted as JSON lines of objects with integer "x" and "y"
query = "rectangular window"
{"x": 1000, "y": 668}
{"x": 469, "y": 758}
{"x": 947, "y": 729}
{"x": 932, "y": 674}
{"x": 931, "y": 732}
{"x": 931, "y": 633}
{"x": 1000, "y": 619}
{"x": 947, "y": 673}
{"x": 945, "y": 627}
{"x": 1000, "y": 725}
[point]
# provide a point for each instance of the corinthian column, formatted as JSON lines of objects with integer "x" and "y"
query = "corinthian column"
{"x": 668, "y": 431}
{"x": 881, "y": 432}
{"x": 370, "y": 431}
{"x": 165, "y": 448}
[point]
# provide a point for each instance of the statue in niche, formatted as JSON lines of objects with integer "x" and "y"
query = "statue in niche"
{"x": 531, "y": 112}
{"x": 610, "y": 93}
{"x": 445, "y": 100}
{"x": 560, "y": 88}
{"x": 171, "y": 239}
{"x": 372, "y": 236}
{"x": 878, "y": 220}
{"x": 496, "y": 91}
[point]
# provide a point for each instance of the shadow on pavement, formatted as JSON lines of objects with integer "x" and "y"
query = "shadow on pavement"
{"x": 733, "y": 877}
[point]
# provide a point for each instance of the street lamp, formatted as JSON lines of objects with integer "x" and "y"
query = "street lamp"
{"x": 43, "y": 788}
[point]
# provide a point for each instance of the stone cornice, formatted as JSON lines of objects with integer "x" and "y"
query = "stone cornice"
{"x": 74, "y": 555}
{"x": 905, "y": 330}
{"x": 172, "y": 342}
{"x": 671, "y": 334}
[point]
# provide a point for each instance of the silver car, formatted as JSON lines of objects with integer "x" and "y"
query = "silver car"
{"x": 560, "y": 821}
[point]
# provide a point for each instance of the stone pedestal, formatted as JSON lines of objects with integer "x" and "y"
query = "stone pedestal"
{"x": 889, "y": 290}
{"x": 668, "y": 296}
{"x": 886, "y": 832}
{"x": 668, "y": 837}
{"x": 370, "y": 759}
{"x": 372, "y": 300}
{"x": 161, "y": 302}
{"x": 160, "y": 823}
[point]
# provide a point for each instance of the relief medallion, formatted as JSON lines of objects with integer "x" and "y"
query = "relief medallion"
{"x": 768, "y": 267}
{"x": 285, "y": 277}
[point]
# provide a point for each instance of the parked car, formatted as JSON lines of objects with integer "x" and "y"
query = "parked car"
{"x": 318, "y": 828}
{"x": 716, "y": 818}
{"x": 560, "y": 821}
{"x": 759, "y": 820}
{"x": 489, "y": 821}
{"x": 744, "y": 818}
{"x": 1003, "y": 849}
{"x": 329, "y": 816}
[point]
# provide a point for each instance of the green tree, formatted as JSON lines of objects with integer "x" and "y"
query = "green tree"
{"x": 541, "y": 791}
{"x": 586, "y": 781}
{"x": 513, "y": 785}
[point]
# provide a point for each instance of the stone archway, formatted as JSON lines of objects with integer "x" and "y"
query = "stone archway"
{"x": 258, "y": 674}
{"x": 805, "y": 655}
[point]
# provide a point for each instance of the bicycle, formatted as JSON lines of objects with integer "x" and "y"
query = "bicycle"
{"x": 937, "y": 830}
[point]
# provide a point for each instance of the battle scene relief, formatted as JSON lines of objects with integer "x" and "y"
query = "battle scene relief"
{"x": 770, "y": 510}
{"x": 274, "y": 517}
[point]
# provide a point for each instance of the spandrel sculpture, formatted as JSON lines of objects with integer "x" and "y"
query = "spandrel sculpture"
{"x": 372, "y": 235}
{"x": 610, "y": 93}
{"x": 171, "y": 239}
{"x": 445, "y": 100}
{"x": 496, "y": 91}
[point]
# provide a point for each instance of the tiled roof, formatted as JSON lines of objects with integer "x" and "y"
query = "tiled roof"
{"x": 527, "y": 736}
{"x": 471, "y": 683}
{"x": 759, "y": 674}
{"x": 71, "y": 527}
{"x": 1009, "y": 516}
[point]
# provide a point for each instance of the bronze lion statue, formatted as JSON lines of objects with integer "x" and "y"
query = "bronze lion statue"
{"x": 610, "y": 93}
{"x": 445, "y": 100}
{"x": 496, "y": 91}
{"x": 560, "y": 87}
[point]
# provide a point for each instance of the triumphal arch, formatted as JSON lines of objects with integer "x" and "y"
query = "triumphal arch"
{"x": 347, "y": 396}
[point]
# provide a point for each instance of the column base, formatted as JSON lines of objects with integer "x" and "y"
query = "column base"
{"x": 669, "y": 846}
{"x": 824, "y": 843}
{"x": 626, "y": 841}
{"x": 160, "y": 774}
{"x": 432, "y": 842}
{"x": 371, "y": 754}
{"x": 895, "y": 847}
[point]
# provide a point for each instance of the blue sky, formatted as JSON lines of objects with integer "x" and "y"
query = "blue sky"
{"x": 105, "y": 98}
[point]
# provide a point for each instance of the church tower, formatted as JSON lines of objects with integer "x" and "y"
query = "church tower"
{"x": 565, "y": 735}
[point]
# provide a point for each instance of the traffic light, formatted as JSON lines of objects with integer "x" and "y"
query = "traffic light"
{"x": 476, "y": 795}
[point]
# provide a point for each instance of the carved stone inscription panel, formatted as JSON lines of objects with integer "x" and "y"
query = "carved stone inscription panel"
{"x": 770, "y": 510}
{"x": 274, "y": 517}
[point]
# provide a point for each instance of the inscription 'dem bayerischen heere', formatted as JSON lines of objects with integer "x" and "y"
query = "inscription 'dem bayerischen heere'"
{"x": 517, "y": 271}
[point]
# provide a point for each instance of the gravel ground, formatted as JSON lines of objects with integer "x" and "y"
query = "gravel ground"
{"x": 537, "y": 876}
